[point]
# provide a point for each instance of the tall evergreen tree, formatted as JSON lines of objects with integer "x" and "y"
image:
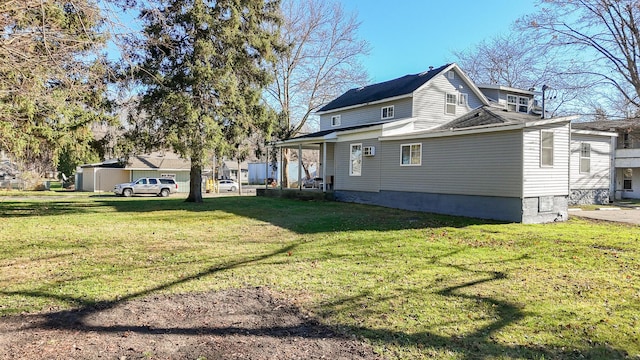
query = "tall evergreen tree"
{"x": 51, "y": 79}
{"x": 202, "y": 68}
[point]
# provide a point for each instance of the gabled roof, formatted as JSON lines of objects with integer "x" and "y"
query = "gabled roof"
{"x": 160, "y": 161}
{"x": 389, "y": 89}
{"x": 488, "y": 116}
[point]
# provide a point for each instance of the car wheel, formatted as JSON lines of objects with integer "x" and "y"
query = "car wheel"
{"x": 164, "y": 192}
{"x": 233, "y": 188}
{"x": 127, "y": 192}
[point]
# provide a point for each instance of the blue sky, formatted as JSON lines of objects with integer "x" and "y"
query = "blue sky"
{"x": 408, "y": 36}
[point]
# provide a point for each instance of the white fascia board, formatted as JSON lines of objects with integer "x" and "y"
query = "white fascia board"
{"x": 364, "y": 104}
{"x": 446, "y": 133}
{"x": 507, "y": 88}
{"x": 596, "y": 133}
{"x": 398, "y": 127}
{"x": 550, "y": 121}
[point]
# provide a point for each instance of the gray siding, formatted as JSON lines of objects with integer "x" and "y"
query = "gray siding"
{"x": 483, "y": 207}
{"x": 546, "y": 181}
{"x": 480, "y": 164}
{"x": 370, "y": 178}
{"x": 367, "y": 114}
{"x": 429, "y": 101}
{"x": 599, "y": 176}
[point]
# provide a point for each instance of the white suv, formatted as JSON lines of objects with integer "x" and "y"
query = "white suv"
{"x": 156, "y": 186}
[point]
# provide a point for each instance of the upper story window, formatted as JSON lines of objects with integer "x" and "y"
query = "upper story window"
{"x": 546, "y": 148}
{"x": 450, "y": 105}
{"x": 387, "y": 112}
{"x": 411, "y": 154}
{"x": 463, "y": 99}
{"x": 355, "y": 160}
{"x": 585, "y": 158}
{"x": 517, "y": 103}
{"x": 451, "y": 74}
{"x": 335, "y": 120}
{"x": 523, "y": 105}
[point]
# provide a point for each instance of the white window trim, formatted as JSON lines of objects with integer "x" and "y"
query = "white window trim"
{"x": 393, "y": 113}
{"x": 419, "y": 158}
{"x": 582, "y": 171}
{"x": 553, "y": 146}
{"x": 337, "y": 122}
{"x": 447, "y": 103}
{"x": 351, "y": 146}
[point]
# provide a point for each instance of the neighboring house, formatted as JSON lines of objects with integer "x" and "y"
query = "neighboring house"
{"x": 228, "y": 169}
{"x": 626, "y": 155}
{"x": 434, "y": 142}
{"x": 102, "y": 177}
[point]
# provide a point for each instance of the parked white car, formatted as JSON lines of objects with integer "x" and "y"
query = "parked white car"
{"x": 156, "y": 186}
{"x": 227, "y": 185}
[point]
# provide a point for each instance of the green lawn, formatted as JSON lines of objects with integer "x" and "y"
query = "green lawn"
{"x": 415, "y": 285}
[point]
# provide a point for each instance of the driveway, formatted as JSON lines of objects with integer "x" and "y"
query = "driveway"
{"x": 625, "y": 215}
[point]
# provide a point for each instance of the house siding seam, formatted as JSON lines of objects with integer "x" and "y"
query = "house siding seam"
{"x": 478, "y": 164}
{"x": 367, "y": 114}
{"x": 429, "y": 101}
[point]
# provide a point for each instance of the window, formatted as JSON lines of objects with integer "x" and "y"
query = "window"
{"x": 451, "y": 101}
{"x": 451, "y": 74}
{"x": 517, "y": 103}
{"x": 626, "y": 141}
{"x": 585, "y": 158}
{"x": 463, "y": 99}
{"x": 546, "y": 148}
{"x": 335, "y": 120}
{"x": 387, "y": 112}
{"x": 411, "y": 154}
{"x": 523, "y": 105}
{"x": 141, "y": 182}
{"x": 512, "y": 102}
{"x": 153, "y": 182}
{"x": 355, "y": 163}
{"x": 627, "y": 175}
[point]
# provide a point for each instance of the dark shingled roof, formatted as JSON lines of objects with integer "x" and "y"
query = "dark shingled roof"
{"x": 384, "y": 90}
{"x": 607, "y": 125}
{"x": 487, "y": 116}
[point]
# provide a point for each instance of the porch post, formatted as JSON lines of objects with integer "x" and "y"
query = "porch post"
{"x": 299, "y": 166}
{"x": 324, "y": 167}
{"x": 280, "y": 167}
{"x": 266, "y": 169}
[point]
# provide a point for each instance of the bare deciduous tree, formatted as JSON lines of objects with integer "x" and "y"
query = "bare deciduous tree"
{"x": 598, "y": 40}
{"x": 323, "y": 61}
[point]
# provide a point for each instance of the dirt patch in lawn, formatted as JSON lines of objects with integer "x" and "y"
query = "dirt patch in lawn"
{"x": 232, "y": 324}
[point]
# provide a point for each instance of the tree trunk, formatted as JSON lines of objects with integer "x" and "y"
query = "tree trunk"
{"x": 195, "y": 183}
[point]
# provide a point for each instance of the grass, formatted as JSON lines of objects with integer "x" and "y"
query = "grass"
{"x": 415, "y": 285}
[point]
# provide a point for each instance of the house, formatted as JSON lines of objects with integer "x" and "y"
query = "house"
{"x": 435, "y": 142}
{"x": 625, "y": 169}
{"x": 103, "y": 176}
